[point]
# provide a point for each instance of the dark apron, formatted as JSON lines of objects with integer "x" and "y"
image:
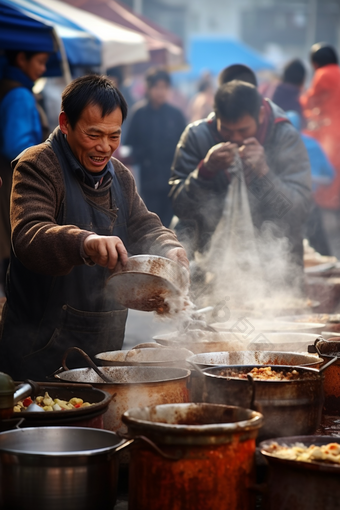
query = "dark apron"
{"x": 46, "y": 315}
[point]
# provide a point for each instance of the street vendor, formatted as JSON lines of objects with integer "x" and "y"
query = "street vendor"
{"x": 75, "y": 212}
{"x": 274, "y": 160}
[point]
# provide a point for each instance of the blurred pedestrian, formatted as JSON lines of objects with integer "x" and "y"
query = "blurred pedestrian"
{"x": 239, "y": 72}
{"x": 203, "y": 101}
{"x": 321, "y": 105}
{"x": 323, "y": 173}
{"x": 154, "y": 130}
{"x": 287, "y": 93}
{"x": 22, "y": 125}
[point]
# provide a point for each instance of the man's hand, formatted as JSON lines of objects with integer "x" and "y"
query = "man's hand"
{"x": 220, "y": 157}
{"x": 105, "y": 250}
{"x": 178, "y": 255}
{"x": 252, "y": 154}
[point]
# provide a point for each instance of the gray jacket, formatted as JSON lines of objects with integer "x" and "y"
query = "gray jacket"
{"x": 282, "y": 197}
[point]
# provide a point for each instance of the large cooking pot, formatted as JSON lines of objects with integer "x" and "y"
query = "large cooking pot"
{"x": 91, "y": 416}
{"x": 134, "y": 387}
{"x": 198, "y": 456}
{"x": 331, "y": 321}
{"x": 210, "y": 359}
{"x": 289, "y": 407}
{"x": 296, "y": 485}
{"x": 149, "y": 354}
{"x": 58, "y": 468}
{"x": 203, "y": 341}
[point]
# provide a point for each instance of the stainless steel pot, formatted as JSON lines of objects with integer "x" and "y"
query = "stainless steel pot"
{"x": 134, "y": 387}
{"x": 59, "y": 468}
{"x": 288, "y": 407}
{"x": 295, "y": 485}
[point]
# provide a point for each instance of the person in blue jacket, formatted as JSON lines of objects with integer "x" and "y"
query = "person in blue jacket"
{"x": 22, "y": 125}
{"x": 323, "y": 173}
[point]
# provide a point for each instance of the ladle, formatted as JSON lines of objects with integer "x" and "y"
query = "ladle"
{"x": 89, "y": 361}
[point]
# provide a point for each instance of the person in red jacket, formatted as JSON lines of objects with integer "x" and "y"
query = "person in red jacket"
{"x": 321, "y": 105}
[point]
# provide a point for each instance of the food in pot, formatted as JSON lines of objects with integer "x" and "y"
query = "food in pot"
{"x": 49, "y": 404}
{"x": 326, "y": 453}
{"x": 267, "y": 374}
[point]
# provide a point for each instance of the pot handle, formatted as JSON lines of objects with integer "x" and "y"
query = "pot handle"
{"x": 252, "y": 406}
{"x": 89, "y": 361}
{"x": 150, "y": 443}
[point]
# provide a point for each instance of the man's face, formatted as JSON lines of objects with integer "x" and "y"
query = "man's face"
{"x": 158, "y": 94}
{"x": 94, "y": 138}
{"x": 237, "y": 132}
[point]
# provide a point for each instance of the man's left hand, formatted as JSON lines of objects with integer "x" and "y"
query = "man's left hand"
{"x": 178, "y": 255}
{"x": 253, "y": 155}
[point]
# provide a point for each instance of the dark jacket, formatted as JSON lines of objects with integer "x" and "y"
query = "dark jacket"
{"x": 153, "y": 135}
{"x": 281, "y": 197}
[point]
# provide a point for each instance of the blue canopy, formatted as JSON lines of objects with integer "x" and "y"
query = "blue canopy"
{"x": 24, "y": 24}
{"x": 213, "y": 53}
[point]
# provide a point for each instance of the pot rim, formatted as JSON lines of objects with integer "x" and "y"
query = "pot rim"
{"x": 78, "y": 453}
{"x": 314, "y": 359}
{"x": 185, "y": 374}
{"x": 255, "y": 422}
{"x": 209, "y": 372}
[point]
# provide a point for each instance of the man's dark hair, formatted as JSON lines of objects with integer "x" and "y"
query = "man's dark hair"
{"x": 11, "y": 55}
{"x": 154, "y": 75}
{"x": 237, "y": 72}
{"x": 235, "y": 99}
{"x": 323, "y": 54}
{"x": 91, "y": 89}
{"x": 294, "y": 73}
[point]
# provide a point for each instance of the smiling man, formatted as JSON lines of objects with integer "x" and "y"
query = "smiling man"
{"x": 275, "y": 164}
{"x": 75, "y": 212}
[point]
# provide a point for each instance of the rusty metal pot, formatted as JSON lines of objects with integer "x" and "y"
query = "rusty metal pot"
{"x": 199, "y": 456}
{"x": 288, "y": 407}
{"x": 295, "y": 485}
{"x": 284, "y": 342}
{"x": 134, "y": 387}
{"x": 327, "y": 349}
{"x": 147, "y": 282}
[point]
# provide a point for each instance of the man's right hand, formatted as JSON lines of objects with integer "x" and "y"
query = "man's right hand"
{"x": 220, "y": 157}
{"x": 105, "y": 250}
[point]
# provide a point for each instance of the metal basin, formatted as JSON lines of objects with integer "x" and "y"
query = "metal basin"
{"x": 295, "y": 485}
{"x": 58, "y": 468}
{"x": 289, "y": 407}
{"x": 203, "y": 341}
{"x": 158, "y": 356}
{"x": 284, "y": 342}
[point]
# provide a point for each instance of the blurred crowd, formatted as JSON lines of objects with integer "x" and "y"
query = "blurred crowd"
{"x": 157, "y": 119}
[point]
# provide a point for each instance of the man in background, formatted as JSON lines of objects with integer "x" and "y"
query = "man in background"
{"x": 153, "y": 132}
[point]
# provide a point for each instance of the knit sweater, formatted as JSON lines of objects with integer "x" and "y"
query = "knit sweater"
{"x": 38, "y": 195}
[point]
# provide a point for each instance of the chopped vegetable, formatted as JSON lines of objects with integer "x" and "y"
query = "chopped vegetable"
{"x": 49, "y": 404}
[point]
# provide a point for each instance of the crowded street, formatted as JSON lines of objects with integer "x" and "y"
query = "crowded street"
{"x": 169, "y": 255}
